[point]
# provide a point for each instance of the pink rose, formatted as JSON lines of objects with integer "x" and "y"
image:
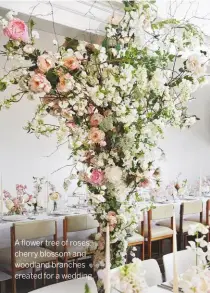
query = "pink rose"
{"x": 97, "y": 177}
{"x": 45, "y": 62}
{"x": 71, "y": 124}
{"x": 144, "y": 183}
{"x": 91, "y": 109}
{"x": 103, "y": 143}
{"x": 96, "y": 135}
{"x": 38, "y": 84}
{"x": 6, "y": 194}
{"x": 96, "y": 119}
{"x": 16, "y": 202}
{"x": 16, "y": 30}
{"x": 71, "y": 62}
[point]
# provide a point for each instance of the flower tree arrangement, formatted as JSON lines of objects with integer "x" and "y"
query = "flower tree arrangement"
{"x": 112, "y": 103}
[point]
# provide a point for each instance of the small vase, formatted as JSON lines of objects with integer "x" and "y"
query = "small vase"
{"x": 55, "y": 206}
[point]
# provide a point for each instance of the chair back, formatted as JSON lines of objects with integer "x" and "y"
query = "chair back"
{"x": 35, "y": 229}
{"x": 153, "y": 274}
{"x": 80, "y": 223}
{"x": 192, "y": 207}
{"x": 76, "y": 285}
{"x": 162, "y": 212}
{"x": 185, "y": 259}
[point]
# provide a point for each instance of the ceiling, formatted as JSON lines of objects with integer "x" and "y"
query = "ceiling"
{"x": 91, "y": 15}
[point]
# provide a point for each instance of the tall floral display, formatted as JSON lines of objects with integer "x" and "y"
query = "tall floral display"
{"x": 112, "y": 102}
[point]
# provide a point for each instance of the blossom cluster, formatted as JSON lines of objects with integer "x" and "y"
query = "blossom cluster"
{"x": 197, "y": 278}
{"x": 128, "y": 278}
{"x": 112, "y": 102}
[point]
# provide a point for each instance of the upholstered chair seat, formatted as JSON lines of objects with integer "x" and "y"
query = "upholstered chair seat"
{"x": 158, "y": 231}
{"x": 136, "y": 237}
{"x": 185, "y": 225}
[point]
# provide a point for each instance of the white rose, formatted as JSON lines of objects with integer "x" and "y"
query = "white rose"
{"x": 54, "y": 196}
{"x": 194, "y": 64}
{"x": 113, "y": 174}
{"x": 29, "y": 49}
{"x": 9, "y": 204}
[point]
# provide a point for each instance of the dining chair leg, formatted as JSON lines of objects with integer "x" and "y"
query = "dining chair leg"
{"x": 171, "y": 240}
{"x": 142, "y": 251}
{"x": 66, "y": 268}
{"x": 56, "y": 271}
{"x": 34, "y": 279}
{"x": 14, "y": 289}
{"x": 3, "y": 287}
{"x": 43, "y": 276}
{"x": 149, "y": 248}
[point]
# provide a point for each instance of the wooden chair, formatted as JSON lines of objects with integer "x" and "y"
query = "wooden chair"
{"x": 13, "y": 260}
{"x": 137, "y": 238}
{"x": 77, "y": 223}
{"x": 186, "y": 209}
{"x": 189, "y": 212}
{"x": 158, "y": 232}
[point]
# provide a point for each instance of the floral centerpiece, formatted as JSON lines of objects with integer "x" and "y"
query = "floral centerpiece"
{"x": 178, "y": 188}
{"x": 19, "y": 203}
{"x": 54, "y": 196}
{"x": 112, "y": 102}
{"x": 197, "y": 278}
{"x": 38, "y": 186}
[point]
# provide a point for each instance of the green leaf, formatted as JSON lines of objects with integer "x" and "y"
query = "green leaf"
{"x": 71, "y": 43}
{"x": 31, "y": 24}
{"x": 3, "y": 86}
{"x": 87, "y": 288}
{"x": 52, "y": 77}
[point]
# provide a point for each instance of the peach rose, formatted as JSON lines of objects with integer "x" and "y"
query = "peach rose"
{"x": 96, "y": 135}
{"x": 71, "y": 62}
{"x": 38, "y": 84}
{"x": 44, "y": 63}
{"x": 16, "y": 30}
{"x": 66, "y": 83}
{"x": 97, "y": 177}
{"x": 96, "y": 119}
{"x": 112, "y": 219}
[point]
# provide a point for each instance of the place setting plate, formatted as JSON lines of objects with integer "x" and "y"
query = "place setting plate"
{"x": 14, "y": 218}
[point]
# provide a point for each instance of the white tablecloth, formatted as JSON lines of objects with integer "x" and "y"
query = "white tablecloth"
{"x": 5, "y": 229}
{"x": 5, "y": 226}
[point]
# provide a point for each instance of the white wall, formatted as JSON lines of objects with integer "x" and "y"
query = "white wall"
{"x": 23, "y": 156}
{"x": 188, "y": 151}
